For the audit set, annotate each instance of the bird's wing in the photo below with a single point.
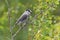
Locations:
(24, 17)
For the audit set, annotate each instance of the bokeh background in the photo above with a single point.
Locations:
(45, 19)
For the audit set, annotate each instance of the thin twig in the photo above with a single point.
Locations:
(9, 18)
(19, 30)
(7, 3)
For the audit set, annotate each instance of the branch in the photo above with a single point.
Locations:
(18, 30)
(9, 16)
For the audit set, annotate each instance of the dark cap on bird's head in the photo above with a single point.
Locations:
(29, 10)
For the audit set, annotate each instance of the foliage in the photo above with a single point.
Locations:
(42, 25)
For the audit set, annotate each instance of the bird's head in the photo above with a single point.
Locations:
(29, 10)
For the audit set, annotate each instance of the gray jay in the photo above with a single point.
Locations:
(24, 16)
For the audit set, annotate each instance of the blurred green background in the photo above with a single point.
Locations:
(45, 19)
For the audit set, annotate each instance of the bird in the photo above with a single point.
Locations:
(23, 17)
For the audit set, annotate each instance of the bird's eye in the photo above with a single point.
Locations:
(28, 10)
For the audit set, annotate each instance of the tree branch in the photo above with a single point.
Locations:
(9, 17)
(18, 30)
